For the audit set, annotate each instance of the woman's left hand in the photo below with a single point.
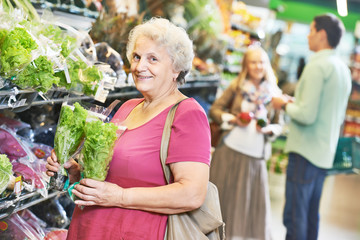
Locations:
(92, 192)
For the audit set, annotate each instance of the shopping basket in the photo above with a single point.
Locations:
(347, 156)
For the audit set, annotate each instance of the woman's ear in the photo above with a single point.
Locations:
(175, 76)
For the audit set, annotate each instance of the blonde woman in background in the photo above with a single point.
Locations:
(239, 161)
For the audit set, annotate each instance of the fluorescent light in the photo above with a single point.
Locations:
(342, 7)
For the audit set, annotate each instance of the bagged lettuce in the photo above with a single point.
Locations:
(68, 137)
(5, 172)
(69, 131)
(98, 149)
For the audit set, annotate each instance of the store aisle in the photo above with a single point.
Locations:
(339, 211)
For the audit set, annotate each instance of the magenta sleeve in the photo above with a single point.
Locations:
(190, 135)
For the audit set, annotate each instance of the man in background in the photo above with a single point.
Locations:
(317, 113)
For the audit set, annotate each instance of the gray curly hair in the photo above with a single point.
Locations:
(173, 38)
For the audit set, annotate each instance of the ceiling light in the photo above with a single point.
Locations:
(342, 7)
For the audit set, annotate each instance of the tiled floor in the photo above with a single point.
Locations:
(339, 210)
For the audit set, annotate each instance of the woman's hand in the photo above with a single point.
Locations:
(72, 167)
(52, 165)
(241, 123)
(92, 192)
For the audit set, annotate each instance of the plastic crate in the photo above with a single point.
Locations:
(347, 156)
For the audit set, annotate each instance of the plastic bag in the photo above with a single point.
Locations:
(100, 138)
(68, 137)
(36, 223)
(6, 172)
(76, 130)
(23, 160)
(18, 228)
(13, 124)
(10, 145)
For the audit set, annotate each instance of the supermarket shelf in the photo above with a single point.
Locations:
(24, 201)
(21, 100)
(246, 29)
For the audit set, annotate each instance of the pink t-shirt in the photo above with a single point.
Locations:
(136, 163)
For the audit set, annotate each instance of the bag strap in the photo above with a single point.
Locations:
(166, 139)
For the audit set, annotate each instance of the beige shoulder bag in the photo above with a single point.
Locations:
(202, 223)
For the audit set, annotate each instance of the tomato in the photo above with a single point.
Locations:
(39, 153)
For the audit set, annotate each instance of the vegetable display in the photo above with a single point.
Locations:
(36, 53)
(69, 132)
(98, 149)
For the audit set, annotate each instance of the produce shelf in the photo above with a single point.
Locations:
(21, 100)
(8, 207)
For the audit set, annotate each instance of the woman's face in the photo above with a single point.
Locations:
(151, 67)
(256, 65)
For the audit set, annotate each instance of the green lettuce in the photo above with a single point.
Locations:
(38, 74)
(69, 132)
(16, 51)
(58, 36)
(98, 149)
(3, 33)
(68, 45)
(83, 78)
(5, 172)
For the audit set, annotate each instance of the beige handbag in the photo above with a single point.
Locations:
(202, 223)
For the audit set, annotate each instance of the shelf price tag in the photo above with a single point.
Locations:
(17, 186)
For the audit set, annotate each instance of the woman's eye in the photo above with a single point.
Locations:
(153, 59)
(136, 57)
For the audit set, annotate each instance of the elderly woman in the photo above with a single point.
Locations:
(238, 164)
(134, 200)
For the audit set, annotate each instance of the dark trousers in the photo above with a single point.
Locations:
(304, 183)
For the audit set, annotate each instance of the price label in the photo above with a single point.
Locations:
(17, 186)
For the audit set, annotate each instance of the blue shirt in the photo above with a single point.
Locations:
(318, 112)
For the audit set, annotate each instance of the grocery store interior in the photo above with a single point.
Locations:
(95, 32)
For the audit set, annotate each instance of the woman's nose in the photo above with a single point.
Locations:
(141, 65)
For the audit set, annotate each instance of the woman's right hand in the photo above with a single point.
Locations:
(71, 166)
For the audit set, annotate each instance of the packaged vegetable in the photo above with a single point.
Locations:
(100, 138)
(68, 137)
(6, 172)
(16, 51)
(98, 149)
(39, 74)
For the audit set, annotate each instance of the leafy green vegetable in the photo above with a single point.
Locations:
(6, 5)
(52, 32)
(98, 149)
(83, 78)
(69, 131)
(58, 36)
(3, 33)
(91, 76)
(38, 74)
(68, 45)
(27, 8)
(15, 51)
(5, 172)
(5, 164)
